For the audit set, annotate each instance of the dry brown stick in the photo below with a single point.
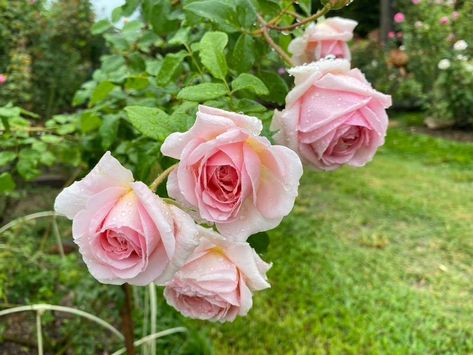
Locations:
(267, 37)
(127, 319)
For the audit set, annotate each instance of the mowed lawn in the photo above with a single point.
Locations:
(371, 261)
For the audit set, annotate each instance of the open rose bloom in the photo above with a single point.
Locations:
(218, 281)
(125, 232)
(231, 175)
(328, 37)
(333, 116)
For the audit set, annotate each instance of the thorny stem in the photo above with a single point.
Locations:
(161, 177)
(281, 52)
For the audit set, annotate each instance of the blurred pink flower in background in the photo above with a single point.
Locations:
(455, 15)
(3, 79)
(416, 2)
(399, 17)
(444, 20)
(391, 35)
(399, 35)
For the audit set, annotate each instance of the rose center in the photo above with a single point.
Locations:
(349, 139)
(118, 246)
(225, 183)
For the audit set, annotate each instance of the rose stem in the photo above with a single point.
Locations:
(127, 320)
(320, 13)
(161, 177)
(270, 41)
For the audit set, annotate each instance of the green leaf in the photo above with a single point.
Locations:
(249, 82)
(132, 26)
(6, 157)
(268, 7)
(136, 82)
(217, 11)
(101, 92)
(89, 121)
(246, 13)
(117, 14)
(243, 55)
(181, 37)
(169, 67)
(212, 55)
(153, 66)
(259, 242)
(109, 129)
(249, 106)
(147, 121)
(159, 14)
(101, 26)
(7, 183)
(202, 92)
(306, 6)
(276, 85)
(27, 165)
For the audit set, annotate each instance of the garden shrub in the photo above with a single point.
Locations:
(46, 52)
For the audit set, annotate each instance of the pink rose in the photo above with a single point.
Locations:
(231, 175)
(391, 35)
(125, 232)
(333, 116)
(444, 20)
(3, 79)
(325, 38)
(399, 17)
(218, 281)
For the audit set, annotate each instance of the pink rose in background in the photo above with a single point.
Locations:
(416, 2)
(231, 175)
(328, 37)
(218, 281)
(455, 15)
(391, 35)
(3, 79)
(125, 232)
(399, 17)
(444, 20)
(333, 116)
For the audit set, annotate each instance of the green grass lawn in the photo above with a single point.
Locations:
(376, 260)
(371, 261)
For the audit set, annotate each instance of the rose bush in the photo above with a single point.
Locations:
(218, 280)
(233, 176)
(333, 116)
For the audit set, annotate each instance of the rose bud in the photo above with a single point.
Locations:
(124, 231)
(333, 116)
(328, 37)
(231, 175)
(218, 281)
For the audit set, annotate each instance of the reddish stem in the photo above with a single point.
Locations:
(127, 320)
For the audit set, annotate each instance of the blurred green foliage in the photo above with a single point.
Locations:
(46, 51)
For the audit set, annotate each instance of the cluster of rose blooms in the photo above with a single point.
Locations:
(231, 178)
